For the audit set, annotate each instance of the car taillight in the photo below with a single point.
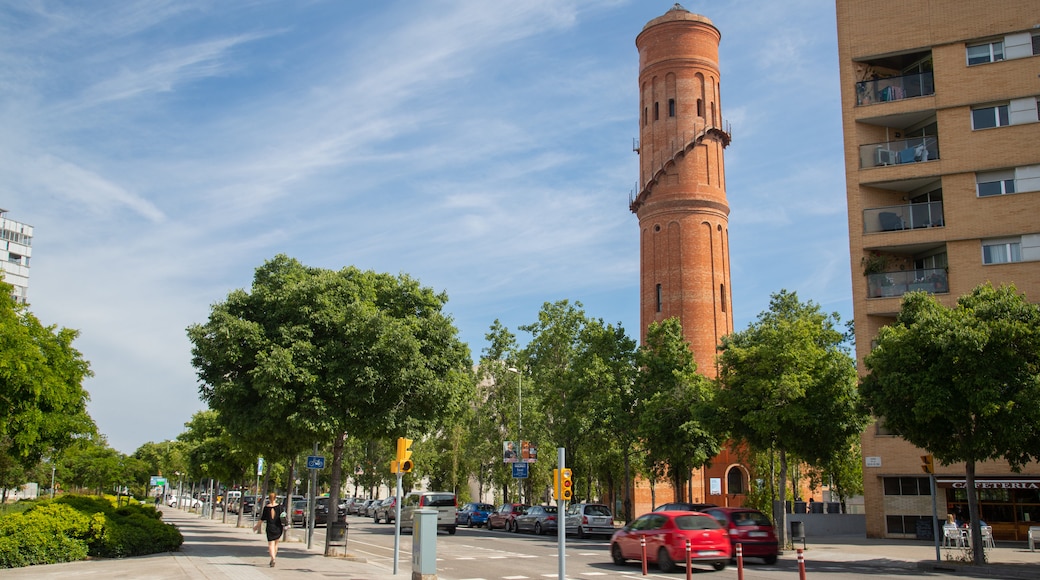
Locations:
(584, 519)
(551, 518)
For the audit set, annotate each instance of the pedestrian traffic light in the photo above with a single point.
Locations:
(404, 454)
(928, 464)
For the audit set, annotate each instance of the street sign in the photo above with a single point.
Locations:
(520, 470)
(315, 462)
(158, 480)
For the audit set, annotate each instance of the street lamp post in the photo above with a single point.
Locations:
(519, 404)
(519, 420)
(52, 479)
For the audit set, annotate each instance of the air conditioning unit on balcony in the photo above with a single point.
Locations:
(884, 156)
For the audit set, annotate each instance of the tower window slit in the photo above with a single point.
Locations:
(658, 297)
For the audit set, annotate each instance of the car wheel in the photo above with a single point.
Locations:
(582, 533)
(718, 565)
(538, 529)
(770, 559)
(469, 521)
(664, 561)
(451, 530)
(375, 518)
(516, 527)
(615, 554)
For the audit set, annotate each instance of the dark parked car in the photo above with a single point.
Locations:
(505, 516)
(247, 504)
(751, 529)
(683, 506)
(666, 533)
(298, 513)
(540, 519)
(473, 514)
(386, 510)
(321, 511)
(586, 519)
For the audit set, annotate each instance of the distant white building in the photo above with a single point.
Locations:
(15, 251)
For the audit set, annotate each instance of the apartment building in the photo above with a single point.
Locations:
(942, 157)
(15, 251)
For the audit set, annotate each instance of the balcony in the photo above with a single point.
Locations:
(894, 218)
(895, 88)
(887, 284)
(899, 151)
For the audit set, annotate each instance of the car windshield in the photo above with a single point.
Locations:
(693, 522)
(751, 519)
(597, 510)
(484, 507)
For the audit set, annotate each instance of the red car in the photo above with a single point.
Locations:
(505, 516)
(666, 533)
(751, 529)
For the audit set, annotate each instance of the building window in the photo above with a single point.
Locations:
(700, 108)
(658, 297)
(907, 486)
(657, 113)
(644, 117)
(1001, 251)
(995, 182)
(1036, 44)
(987, 117)
(983, 53)
(722, 296)
(906, 524)
(671, 107)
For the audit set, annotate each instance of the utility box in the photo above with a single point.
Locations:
(424, 545)
(336, 538)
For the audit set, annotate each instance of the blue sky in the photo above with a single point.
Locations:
(164, 149)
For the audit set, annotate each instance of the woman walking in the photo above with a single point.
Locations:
(274, 515)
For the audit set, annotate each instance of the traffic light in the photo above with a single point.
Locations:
(563, 487)
(928, 464)
(404, 454)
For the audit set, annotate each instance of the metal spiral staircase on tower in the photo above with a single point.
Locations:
(723, 134)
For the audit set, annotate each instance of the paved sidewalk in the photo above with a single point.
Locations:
(215, 551)
(1007, 560)
(218, 551)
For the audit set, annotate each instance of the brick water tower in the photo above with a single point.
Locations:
(684, 216)
(681, 202)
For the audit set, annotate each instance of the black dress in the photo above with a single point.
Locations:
(272, 515)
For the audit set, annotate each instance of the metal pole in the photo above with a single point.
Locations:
(52, 480)
(311, 492)
(935, 518)
(561, 511)
(397, 520)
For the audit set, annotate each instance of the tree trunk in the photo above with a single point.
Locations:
(978, 554)
(781, 532)
(337, 474)
(628, 489)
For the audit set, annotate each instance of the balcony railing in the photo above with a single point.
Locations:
(885, 284)
(894, 88)
(894, 218)
(912, 150)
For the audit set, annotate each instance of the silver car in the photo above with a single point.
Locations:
(586, 519)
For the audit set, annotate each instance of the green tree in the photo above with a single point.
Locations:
(963, 382)
(42, 400)
(309, 354)
(91, 465)
(673, 398)
(789, 384)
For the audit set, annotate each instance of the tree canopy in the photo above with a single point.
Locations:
(310, 354)
(789, 383)
(962, 383)
(42, 400)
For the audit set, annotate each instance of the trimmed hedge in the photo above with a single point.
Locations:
(75, 527)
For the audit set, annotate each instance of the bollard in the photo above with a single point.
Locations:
(740, 562)
(642, 548)
(689, 562)
(801, 565)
